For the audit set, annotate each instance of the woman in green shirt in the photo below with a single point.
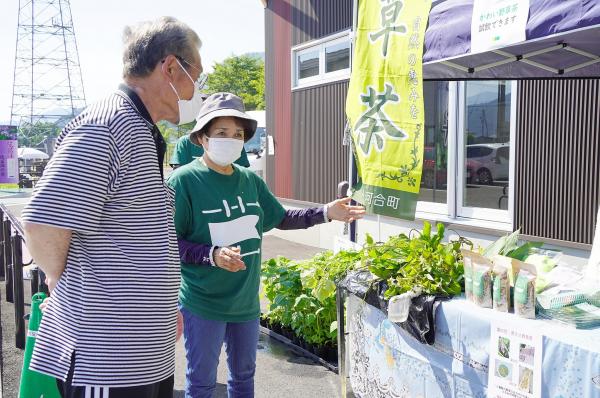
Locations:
(221, 213)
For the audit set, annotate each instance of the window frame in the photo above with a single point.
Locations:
(453, 210)
(435, 210)
(321, 46)
(494, 215)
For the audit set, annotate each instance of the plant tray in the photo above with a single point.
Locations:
(299, 350)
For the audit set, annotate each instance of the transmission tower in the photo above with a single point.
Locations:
(47, 86)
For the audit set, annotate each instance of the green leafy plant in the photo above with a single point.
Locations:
(423, 262)
(303, 294)
(508, 246)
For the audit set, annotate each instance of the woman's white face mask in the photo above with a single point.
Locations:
(188, 109)
(224, 151)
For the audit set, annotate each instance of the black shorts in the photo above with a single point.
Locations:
(161, 389)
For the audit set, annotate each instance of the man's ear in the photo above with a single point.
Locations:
(169, 65)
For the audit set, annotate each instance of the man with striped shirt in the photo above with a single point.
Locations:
(100, 225)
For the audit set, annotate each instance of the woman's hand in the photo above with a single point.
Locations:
(341, 210)
(229, 259)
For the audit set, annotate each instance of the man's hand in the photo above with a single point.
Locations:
(44, 304)
(229, 259)
(341, 210)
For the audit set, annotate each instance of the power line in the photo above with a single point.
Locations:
(47, 83)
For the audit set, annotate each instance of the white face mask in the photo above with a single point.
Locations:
(224, 151)
(188, 109)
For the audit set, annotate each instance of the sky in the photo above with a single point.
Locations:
(226, 27)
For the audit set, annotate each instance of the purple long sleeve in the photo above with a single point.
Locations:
(194, 253)
(302, 218)
(199, 253)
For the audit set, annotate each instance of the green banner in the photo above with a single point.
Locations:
(385, 104)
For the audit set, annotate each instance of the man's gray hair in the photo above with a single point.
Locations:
(147, 43)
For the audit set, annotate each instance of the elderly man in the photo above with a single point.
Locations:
(100, 225)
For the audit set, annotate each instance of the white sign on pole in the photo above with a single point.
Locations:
(515, 369)
(498, 23)
(270, 145)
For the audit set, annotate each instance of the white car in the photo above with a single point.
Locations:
(255, 147)
(487, 163)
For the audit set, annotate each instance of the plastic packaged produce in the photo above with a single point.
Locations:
(468, 272)
(482, 282)
(501, 288)
(525, 294)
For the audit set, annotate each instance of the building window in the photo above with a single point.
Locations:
(337, 57)
(485, 146)
(323, 61)
(434, 181)
(468, 162)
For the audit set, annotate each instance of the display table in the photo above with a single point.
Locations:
(385, 361)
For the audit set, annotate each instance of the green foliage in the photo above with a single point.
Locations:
(303, 294)
(422, 262)
(31, 135)
(172, 132)
(243, 76)
(508, 246)
(503, 246)
(523, 252)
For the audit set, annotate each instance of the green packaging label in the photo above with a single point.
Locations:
(521, 290)
(497, 289)
(478, 283)
(468, 279)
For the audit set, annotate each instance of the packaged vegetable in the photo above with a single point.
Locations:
(501, 288)
(544, 262)
(468, 273)
(482, 282)
(525, 294)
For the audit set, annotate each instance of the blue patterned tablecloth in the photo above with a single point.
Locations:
(385, 361)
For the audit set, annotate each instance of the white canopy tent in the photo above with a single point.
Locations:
(32, 154)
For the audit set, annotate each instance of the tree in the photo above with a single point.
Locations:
(243, 76)
(32, 135)
(172, 132)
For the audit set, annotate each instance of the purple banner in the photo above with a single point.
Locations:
(9, 162)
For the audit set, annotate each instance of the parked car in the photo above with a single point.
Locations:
(487, 163)
(256, 145)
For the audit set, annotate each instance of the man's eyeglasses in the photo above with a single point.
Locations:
(202, 78)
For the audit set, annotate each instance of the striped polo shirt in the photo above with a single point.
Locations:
(115, 306)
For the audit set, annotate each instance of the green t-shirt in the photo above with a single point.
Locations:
(223, 210)
(186, 151)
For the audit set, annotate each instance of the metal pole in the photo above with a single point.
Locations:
(340, 299)
(353, 171)
(2, 262)
(17, 249)
(42, 287)
(32, 63)
(6, 228)
(62, 23)
(35, 281)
